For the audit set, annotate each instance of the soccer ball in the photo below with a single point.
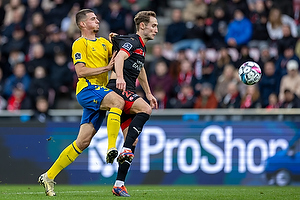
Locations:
(250, 73)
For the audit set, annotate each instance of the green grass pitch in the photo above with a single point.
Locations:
(153, 192)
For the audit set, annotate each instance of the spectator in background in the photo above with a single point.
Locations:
(290, 100)
(68, 24)
(15, 56)
(33, 7)
(186, 73)
(217, 30)
(215, 5)
(18, 41)
(61, 76)
(100, 7)
(40, 84)
(265, 55)
(33, 39)
(134, 6)
(38, 59)
(37, 24)
(14, 9)
(273, 101)
(252, 98)
(195, 36)
(57, 13)
(194, 9)
(291, 81)
(275, 21)
(244, 56)
(161, 97)
(203, 71)
(207, 98)
(223, 59)
(9, 29)
(269, 83)
(222, 83)
(185, 97)
(19, 77)
(233, 5)
(287, 40)
(232, 99)
(41, 110)
(285, 6)
(176, 30)
(18, 99)
(55, 44)
(116, 18)
(161, 78)
(239, 30)
(157, 53)
(259, 18)
(281, 62)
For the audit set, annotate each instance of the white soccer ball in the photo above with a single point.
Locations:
(250, 73)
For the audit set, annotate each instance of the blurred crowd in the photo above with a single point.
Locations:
(195, 66)
(206, 43)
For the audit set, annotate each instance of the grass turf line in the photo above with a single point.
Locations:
(153, 192)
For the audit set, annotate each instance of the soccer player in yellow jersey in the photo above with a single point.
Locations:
(91, 59)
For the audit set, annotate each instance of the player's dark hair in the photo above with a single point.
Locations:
(143, 16)
(81, 15)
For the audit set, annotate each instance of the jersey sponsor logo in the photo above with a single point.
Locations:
(139, 51)
(138, 65)
(127, 46)
(77, 56)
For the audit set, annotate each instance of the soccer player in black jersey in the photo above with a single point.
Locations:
(129, 66)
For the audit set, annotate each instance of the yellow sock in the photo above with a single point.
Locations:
(113, 126)
(67, 156)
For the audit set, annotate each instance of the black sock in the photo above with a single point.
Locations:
(122, 171)
(135, 128)
(133, 149)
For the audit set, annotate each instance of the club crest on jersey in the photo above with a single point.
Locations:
(77, 56)
(127, 46)
(104, 46)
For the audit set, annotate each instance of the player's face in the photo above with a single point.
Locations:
(91, 22)
(151, 29)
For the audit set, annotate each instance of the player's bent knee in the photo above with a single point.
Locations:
(148, 110)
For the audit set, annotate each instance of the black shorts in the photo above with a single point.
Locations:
(128, 96)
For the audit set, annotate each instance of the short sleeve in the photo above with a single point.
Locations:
(79, 52)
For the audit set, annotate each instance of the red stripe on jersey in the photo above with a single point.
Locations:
(139, 51)
(125, 51)
(141, 41)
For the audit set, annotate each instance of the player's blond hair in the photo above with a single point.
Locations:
(143, 16)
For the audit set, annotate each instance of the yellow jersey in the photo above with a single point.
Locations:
(94, 54)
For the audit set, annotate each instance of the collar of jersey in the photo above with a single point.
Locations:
(91, 40)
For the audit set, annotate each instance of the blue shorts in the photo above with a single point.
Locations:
(90, 99)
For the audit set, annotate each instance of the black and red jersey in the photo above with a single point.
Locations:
(134, 46)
